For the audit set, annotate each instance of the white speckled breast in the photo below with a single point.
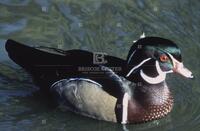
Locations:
(139, 114)
(158, 111)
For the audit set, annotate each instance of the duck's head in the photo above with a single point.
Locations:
(151, 58)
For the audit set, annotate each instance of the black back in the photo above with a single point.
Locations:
(47, 67)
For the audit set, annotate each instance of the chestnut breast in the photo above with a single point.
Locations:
(138, 113)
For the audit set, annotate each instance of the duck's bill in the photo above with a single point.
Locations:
(180, 69)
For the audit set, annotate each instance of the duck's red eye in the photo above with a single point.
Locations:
(164, 58)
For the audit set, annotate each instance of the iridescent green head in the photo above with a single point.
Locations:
(153, 58)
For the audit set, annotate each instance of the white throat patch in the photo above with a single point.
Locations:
(154, 80)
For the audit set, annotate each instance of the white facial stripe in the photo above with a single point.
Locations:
(174, 60)
(154, 80)
(137, 66)
(170, 71)
(125, 108)
(131, 56)
(159, 70)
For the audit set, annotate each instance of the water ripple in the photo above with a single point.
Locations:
(7, 28)
(45, 4)
(14, 2)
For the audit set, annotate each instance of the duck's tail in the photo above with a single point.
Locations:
(28, 57)
(19, 53)
(39, 63)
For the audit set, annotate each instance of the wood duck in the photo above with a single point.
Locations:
(116, 90)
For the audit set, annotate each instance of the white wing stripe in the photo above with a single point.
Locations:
(74, 79)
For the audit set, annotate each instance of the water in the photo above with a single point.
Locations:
(96, 25)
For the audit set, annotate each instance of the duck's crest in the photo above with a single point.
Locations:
(143, 35)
